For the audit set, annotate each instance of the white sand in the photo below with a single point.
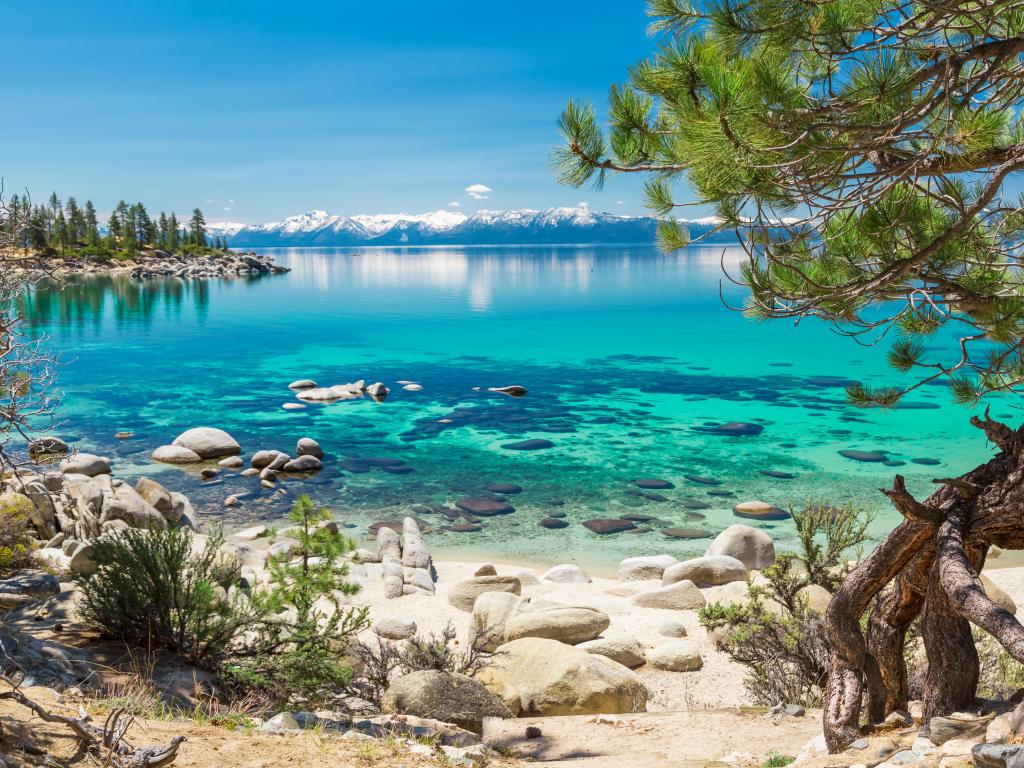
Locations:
(719, 683)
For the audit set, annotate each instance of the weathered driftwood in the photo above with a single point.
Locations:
(109, 741)
(927, 567)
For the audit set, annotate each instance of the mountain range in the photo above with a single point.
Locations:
(579, 225)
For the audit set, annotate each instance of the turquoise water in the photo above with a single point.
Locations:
(627, 354)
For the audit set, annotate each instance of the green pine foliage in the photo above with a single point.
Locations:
(163, 589)
(866, 154)
(302, 645)
(70, 231)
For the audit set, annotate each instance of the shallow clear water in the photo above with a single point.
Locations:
(624, 352)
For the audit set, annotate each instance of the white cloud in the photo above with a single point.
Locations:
(620, 202)
(454, 204)
(583, 204)
(478, 191)
(227, 208)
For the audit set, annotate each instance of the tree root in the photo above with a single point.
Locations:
(108, 742)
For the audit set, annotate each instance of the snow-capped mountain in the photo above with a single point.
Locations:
(579, 225)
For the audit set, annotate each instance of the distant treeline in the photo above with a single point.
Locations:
(68, 229)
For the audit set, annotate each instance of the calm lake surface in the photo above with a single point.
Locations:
(627, 355)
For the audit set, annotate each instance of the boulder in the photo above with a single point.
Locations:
(817, 597)
(672, 629)
(176, 454)
(155, 494)
(759, 510)
(539, 677)
(675, 656)
(389, 545)
(81, 562)
(231, 462)
(445, 696)
(263, 459)
(395, 628)
(567, 574)
(680, 596)
(644, 568)
(85, 464)
(465, 593)
(486, 570)
(394, 578)
(490, 613)
(707, 571)
(414, 550)
(31, 584)
(302, 384)
(305, 463)
(567, 624)
(624, 649)
(754, 548)
(997, 595)
(47, 446)
(208, 442)
(307, 446)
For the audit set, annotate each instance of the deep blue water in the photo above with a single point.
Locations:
(627, 354)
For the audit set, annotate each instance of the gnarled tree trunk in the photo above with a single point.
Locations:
(927, 566)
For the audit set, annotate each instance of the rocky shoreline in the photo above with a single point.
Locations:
(157, 263)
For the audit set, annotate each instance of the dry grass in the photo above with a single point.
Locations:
(25, 741)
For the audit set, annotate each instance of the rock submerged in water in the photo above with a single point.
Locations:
(759, 510)
(866, 456)
(653, 484)
(504, 489)
(553, 523)
(513, 390)
(485, 507)
(535, 444)
(732, 429)
(208, 442)
(605, 526)
(686, 533)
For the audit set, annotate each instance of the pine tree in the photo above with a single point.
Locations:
(867, 154)
(173, 234)
(92, 227)
(197, 228)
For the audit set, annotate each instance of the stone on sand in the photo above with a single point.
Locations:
(624, 649)
(445, 696)
(644, 568)
(465, 593)
(680, 596)
(567, 573)
(707, 571)
(538, 677)
(675, 656)
(754, 548)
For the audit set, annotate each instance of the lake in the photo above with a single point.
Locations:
(631, 359)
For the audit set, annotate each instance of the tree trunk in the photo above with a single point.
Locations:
(886, 669)
(930, 562)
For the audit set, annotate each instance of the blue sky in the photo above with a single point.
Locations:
(272, 108)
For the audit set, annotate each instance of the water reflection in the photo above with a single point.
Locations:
(389, 281)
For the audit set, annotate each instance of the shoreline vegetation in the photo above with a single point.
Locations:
(63, 237)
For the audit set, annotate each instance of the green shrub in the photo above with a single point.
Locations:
(299, 649)
(157, 588)
(776, 635)
(16, 539)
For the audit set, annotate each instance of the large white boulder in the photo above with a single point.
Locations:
(567, 574)
(465, 593)
(644, 568)
(625, 649)
(707, 571)
(176, 454)
(208, 442)
(566, 624)
(675, 656)
(680, 596)
(539, 677)
(85, 464)
(754, 548)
